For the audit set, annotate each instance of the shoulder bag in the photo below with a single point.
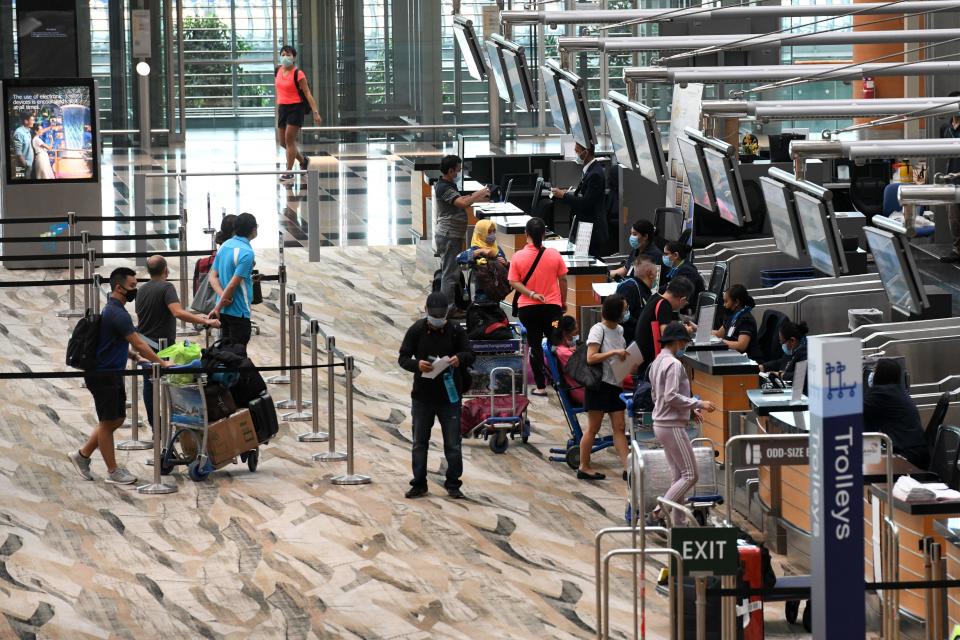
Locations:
(588, 375)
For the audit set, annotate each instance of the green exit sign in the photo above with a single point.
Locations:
(708, 551)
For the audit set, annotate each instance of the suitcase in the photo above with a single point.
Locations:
(264, 417)
(751, 565)
(475, 410)
(249, 385)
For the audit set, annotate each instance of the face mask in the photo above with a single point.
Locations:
(436, 323)
(786, 350)
(491, 238)
(131, 295)
(666, 261)
(575, 340)
(870, 379)
(681, 351)
(626, 316)
(286, 61)
(634, 242)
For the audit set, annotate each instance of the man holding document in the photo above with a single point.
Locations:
(438, 353)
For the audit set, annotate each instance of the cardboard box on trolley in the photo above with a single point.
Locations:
(226, 438)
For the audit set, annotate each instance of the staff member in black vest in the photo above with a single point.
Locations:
(587, 200)
(437, 398)
(676, 260)
(739, 329)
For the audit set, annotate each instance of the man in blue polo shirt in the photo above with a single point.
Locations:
(234, 266)
(117, 334)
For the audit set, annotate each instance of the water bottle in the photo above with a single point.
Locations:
(451, 386)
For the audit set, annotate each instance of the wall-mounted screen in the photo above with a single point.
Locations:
(578, 116)
(897, 271)
(622, 146)
(727, 186)
(519, 78)
(558, 115)
(469, 47)
(47, 39)
(696, 169)
(787, 232)
(647, 147)
(498, 70)
(819, 231)
(50, 132)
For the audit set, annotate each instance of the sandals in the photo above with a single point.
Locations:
(589, 476)
(538, 393)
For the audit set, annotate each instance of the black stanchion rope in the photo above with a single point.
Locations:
(35, 375)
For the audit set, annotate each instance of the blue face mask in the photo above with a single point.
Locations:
(626, 316)
(436, 323)
(491, 238)
(681, 351)
(575, 340)
(286, 61)
(786, 350)
(634, 242)
(666, 261)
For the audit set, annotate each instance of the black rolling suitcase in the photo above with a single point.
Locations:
(264, 417)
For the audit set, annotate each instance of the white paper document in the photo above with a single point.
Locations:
(439, 365)
(623, 368)
(584, 233)
(799, 378)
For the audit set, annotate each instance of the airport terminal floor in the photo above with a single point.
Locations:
(282, 553)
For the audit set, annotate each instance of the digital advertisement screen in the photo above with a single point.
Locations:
(723, 186)
(621, 146)
(646, 144)
(554, 100)
(577, 128)
(499, 73)
(812, 214)
(892, 269)
(47, 38)
(785, 232)
(50, 131)
(695, 178)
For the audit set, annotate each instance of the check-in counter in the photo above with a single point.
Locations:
(511, 233)
(949, 528)
(916, 520)
(723, 377)
(582, 274)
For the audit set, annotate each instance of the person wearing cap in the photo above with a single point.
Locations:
(425, 344)
(672, 404)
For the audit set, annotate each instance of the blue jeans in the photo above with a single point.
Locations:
(423, 415)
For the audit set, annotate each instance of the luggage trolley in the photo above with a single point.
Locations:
(186, 410)
(494, 409)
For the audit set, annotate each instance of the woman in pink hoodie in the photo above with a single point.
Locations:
(672, 404)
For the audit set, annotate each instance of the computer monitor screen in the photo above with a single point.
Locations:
(646, 145)
(727, 188)
(50, 131)
(695, 168)
(469, 48)
(577, 115)
(519, 80)
(499, 73)
(820, 242)
(558, 116)
(622, 147)
(783, 220)
(896, 273)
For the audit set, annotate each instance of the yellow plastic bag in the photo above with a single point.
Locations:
(181, 353)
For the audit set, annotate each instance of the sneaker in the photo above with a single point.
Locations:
(286, 178)
(456, 494)
(81, 464)
(121, 476)
(415, 492)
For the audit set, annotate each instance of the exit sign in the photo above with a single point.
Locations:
(707, 551)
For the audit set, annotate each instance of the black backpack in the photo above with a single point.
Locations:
(487, 322)
(459, 300)
(82, 346)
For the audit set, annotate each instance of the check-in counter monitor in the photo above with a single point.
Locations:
(518, 76)
(820, 231)
(574, 95)
(787, 231)
(469, 47)
(691, 154)
(617, 127)
(498, 68)
(645, 138)
(557, 110)
(723, 167)
(897, 269)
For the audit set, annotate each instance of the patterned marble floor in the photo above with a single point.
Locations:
(282, 553)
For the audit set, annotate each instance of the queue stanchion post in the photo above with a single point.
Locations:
(88, 268)
(157, 487)
(158, 425)
(331, 454)
(184, 291)
(95, 286)
(282, 377)
(134, 443)
(351, 477)
(292, 378)
(298, 414)
(71, 311)
(314, 435)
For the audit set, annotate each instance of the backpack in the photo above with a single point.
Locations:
(459, 300)
(491, 277)
(201, 269)
(82, 346)
(487, 322)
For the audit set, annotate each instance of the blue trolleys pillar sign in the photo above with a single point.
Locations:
(836, 488)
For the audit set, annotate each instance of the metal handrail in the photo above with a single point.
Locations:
(671, 506)
(676, 594)
(404, 127)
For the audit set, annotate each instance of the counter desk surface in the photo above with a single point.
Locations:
(763, 402)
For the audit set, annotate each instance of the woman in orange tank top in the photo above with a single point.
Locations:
(293, 101)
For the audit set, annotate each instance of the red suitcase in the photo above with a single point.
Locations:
(751, 563)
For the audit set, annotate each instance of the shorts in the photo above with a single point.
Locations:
(604, 397)
(291, 114)
(109, 396)
(235, 328)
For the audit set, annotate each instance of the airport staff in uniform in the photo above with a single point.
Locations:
(739, 329)
(676, 258)
(587, 200)
(641, 244)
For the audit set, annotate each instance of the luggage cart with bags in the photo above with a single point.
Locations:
(495, 406)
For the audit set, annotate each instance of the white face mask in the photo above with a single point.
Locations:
(436, 323)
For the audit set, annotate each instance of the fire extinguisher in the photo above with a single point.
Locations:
(869, 88)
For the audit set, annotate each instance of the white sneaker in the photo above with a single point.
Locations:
(81, 464)
(121, 476)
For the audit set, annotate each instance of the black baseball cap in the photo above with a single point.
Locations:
(437, 305)
(674, 332)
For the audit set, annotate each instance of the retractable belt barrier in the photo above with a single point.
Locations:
(72, 238)
(805, 593)
(53, 219)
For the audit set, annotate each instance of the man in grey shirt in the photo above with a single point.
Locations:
(451, 226)
(158, 309)
(23, 142)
